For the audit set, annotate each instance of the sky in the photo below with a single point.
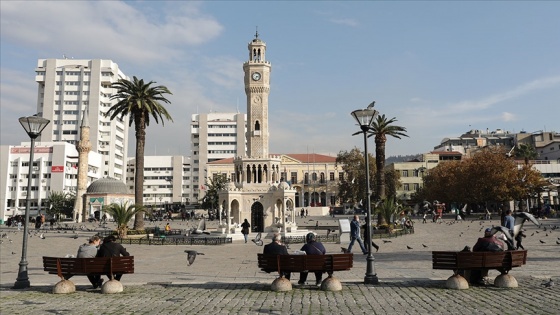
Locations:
(440, 68)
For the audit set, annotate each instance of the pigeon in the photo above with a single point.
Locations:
(548, 284)
(408, 247)
(542, 242)
(386, 241)
(258, 240)
(75, 236)
(42, 236)
(191, 255)
(424, 245)
(558, 242)
(344, 250)
(13, 253)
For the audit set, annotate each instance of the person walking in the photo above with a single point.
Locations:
(355, 235)
(312, 247)
(509, 221)
(245, 229)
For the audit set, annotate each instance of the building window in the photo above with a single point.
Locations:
(293, 177)
(406, 187)
(416, 187)
(405, 173)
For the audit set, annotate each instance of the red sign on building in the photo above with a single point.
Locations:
(21, 150)
(57, 169)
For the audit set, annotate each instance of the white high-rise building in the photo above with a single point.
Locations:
(54, 169)
(214, 137)
(68, 88)
(167, 181)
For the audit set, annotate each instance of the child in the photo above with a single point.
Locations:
(518, 239)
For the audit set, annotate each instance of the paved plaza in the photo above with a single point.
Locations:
(226, 280)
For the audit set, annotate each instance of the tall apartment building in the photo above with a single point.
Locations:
(68, 88)
(214, 137)
(167, 181)
(54, 169)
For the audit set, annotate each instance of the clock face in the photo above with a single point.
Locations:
(256, 76)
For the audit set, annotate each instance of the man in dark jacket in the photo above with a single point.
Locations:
(276, 248)
(312, 247)
(111, 249)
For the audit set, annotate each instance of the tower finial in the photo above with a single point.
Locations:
(257, 32)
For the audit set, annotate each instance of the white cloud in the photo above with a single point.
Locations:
(106, 29)
(469, 106)
(508, 116)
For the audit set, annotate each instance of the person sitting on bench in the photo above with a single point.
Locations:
(276, 248)
(488, 243)
(111, 249)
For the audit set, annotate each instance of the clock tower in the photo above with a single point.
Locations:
(257, 88)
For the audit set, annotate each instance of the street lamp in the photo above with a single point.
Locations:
(33, 125)
(365, 118)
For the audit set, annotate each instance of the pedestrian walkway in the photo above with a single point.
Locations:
(226, 280)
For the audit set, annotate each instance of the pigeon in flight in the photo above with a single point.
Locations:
(191, 256)
(424, 245)
(258, 240)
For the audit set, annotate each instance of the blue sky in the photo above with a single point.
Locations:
(440, 67)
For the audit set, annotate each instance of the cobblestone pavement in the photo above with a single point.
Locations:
(226, 280)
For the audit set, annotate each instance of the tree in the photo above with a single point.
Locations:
(487, 176)
(122, 214)
(388, 210)
(139, 100)
(381, 128)
(60, 203)
(215, 184)
(352, 188)
(526, 152)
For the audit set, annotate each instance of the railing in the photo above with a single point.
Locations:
(177, 241)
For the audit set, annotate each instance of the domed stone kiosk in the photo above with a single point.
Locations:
(106, 191)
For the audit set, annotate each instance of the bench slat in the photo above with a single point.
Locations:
(84, 266)
(503, 261)
(299, 263)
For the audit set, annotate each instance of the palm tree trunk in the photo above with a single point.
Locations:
(380, 165)
(139, 171)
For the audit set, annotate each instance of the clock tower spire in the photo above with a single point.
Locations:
(257, 88)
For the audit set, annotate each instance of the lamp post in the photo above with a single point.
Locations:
(33, 125)
(365, 118)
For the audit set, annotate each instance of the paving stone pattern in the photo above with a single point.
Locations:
(225, 280)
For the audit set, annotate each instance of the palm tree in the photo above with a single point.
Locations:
(388, 210)
(60, 202)
(381, 128)
(122, 214)
(526, 152)
(139, 100)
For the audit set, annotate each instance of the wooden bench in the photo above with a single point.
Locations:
(466, 261)
(65, 268)
(328, 263)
